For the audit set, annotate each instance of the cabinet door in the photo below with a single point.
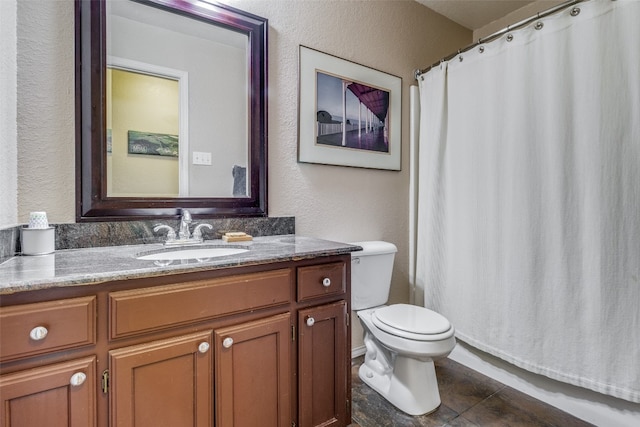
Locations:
(323, 366)
(163, 383)
(253, 375)
(55, 395)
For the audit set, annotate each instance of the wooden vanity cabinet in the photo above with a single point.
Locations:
(253, 373)
(61, 394)
(323, 384)
(324, 397)
(224, 348)
(57, 394)
(163, 383)
(175, 382)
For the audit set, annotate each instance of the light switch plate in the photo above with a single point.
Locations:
(201, 158)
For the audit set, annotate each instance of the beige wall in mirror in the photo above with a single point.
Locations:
(213, 125)
(145, 166)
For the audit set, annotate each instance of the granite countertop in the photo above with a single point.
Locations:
(77, 267)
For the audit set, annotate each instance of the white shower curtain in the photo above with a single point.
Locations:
(528, 234)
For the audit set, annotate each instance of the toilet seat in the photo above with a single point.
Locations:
(412, 322)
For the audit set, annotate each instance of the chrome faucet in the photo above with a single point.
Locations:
(185, 221)
(184, 236)
(171, 234)
(197, 233)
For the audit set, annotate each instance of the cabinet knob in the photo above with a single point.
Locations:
(310, 321)
(78, 378)
(227, 342)
(203, 347)
(38, 333)
(326, 282)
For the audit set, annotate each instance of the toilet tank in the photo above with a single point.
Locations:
(371, 274)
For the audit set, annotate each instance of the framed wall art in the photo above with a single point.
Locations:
(349, 114)
(156, 144)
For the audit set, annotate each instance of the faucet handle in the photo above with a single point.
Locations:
(171, 234)
(197, 233)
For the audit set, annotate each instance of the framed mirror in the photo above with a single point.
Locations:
(171, 110)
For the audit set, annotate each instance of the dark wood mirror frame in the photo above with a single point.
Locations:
(92, 203)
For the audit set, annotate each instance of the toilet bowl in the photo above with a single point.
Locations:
(401, 340)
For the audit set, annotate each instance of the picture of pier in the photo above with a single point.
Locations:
(351, 114)
(348, 114)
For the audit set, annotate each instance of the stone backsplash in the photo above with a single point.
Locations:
(117, 233)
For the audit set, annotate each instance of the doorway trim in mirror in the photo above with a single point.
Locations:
(92, 202)
(151, 71)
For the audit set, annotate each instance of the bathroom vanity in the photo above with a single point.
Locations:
(105, 339)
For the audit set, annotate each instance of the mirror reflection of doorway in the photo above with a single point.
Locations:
(147, 131)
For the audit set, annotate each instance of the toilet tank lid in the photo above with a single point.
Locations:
(374, 248)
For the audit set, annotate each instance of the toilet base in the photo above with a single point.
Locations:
(408, 383)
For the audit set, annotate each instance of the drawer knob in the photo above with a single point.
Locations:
(326, 282)
(227, 342)
(78, 378)
(310, 321)
(203, 347)
(38, 333)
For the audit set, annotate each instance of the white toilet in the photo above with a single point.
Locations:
(401, 340)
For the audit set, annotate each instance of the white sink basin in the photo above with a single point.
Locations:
(191, 253)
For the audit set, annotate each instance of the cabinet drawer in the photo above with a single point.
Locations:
(320, 280)
(150, 309)
(30, 329)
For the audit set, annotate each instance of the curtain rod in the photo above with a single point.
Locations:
(500, 33)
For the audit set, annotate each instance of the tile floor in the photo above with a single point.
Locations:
(468, 399)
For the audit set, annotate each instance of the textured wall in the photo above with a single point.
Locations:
(8, 135)
(339, 203)
(46, 96)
